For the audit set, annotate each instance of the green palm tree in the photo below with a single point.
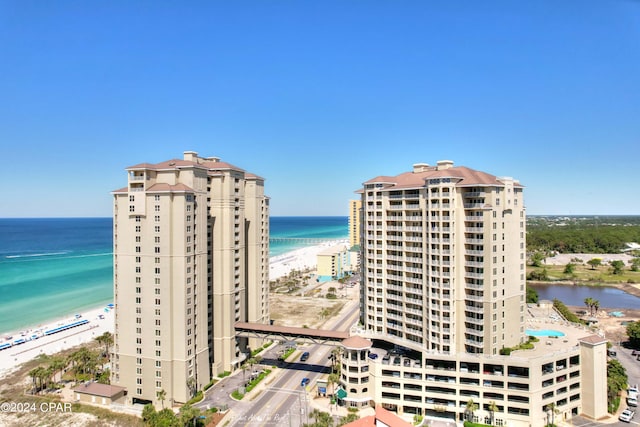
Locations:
(589, 303)
(106, 339)
(58, 364)
(493, 408)
(36, 375)
(471, 408)
(551, 410)
(162, 395)
(315, 414)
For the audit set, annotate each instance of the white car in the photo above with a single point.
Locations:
(632, 401)
(626, 415)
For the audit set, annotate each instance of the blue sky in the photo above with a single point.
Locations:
(318, 97)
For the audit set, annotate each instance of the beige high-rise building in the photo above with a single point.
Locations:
(443, 312)
(354, 222)
(443, 259)
(191, 250)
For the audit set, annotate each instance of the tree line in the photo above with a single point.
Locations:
(83, 365)
(581, 238)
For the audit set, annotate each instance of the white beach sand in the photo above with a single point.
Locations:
(10, 358)
(299, 259)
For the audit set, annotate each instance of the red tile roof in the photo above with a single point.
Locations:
(383, 416)
(97, 389)
(465, 175)
(178, 163)
(356, 342)
(593, 339)
(162, 187)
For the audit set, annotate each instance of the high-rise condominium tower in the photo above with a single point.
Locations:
(191, 248)
(354, 222)
(443, 259)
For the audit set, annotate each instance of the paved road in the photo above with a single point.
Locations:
(283, 402)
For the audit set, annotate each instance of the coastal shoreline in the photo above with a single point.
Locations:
(298, 259)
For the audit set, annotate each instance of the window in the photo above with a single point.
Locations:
(137, 228)
(156, 218)
(157, 208)
(157, 249)
(138, 259)
(157, 291)
(158, 364)
(138, 300)
(138, 290)
(138, 249)
(157, 270)
(157, 239)
(157, 228)
(157, 260)
(139, 381)
(138, 270)
(137, 239)
(156, 197)
(139, 391)
(158, 353)
(157, 301)
(157, 343)
(157, 322)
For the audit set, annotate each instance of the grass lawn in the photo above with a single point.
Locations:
(585, 273)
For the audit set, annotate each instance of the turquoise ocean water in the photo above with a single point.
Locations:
(54, 267)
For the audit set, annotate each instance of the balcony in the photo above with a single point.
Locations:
(474, 205)
(474, 275)
(474, 309)
(474, 230)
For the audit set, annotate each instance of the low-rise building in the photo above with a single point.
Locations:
(564, 372)
(99, 394)
(333, 263)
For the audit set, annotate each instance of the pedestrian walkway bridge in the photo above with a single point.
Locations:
(286, 333)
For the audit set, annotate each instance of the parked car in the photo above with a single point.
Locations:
(626, 415)
(632, 401)
(373, 356)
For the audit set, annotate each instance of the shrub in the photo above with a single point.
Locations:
(196, 398)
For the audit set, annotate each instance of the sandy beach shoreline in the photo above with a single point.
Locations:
(101, 320)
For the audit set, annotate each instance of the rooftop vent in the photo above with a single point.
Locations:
(420, 167)
(444, 164)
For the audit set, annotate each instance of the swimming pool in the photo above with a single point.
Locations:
(544, 333)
